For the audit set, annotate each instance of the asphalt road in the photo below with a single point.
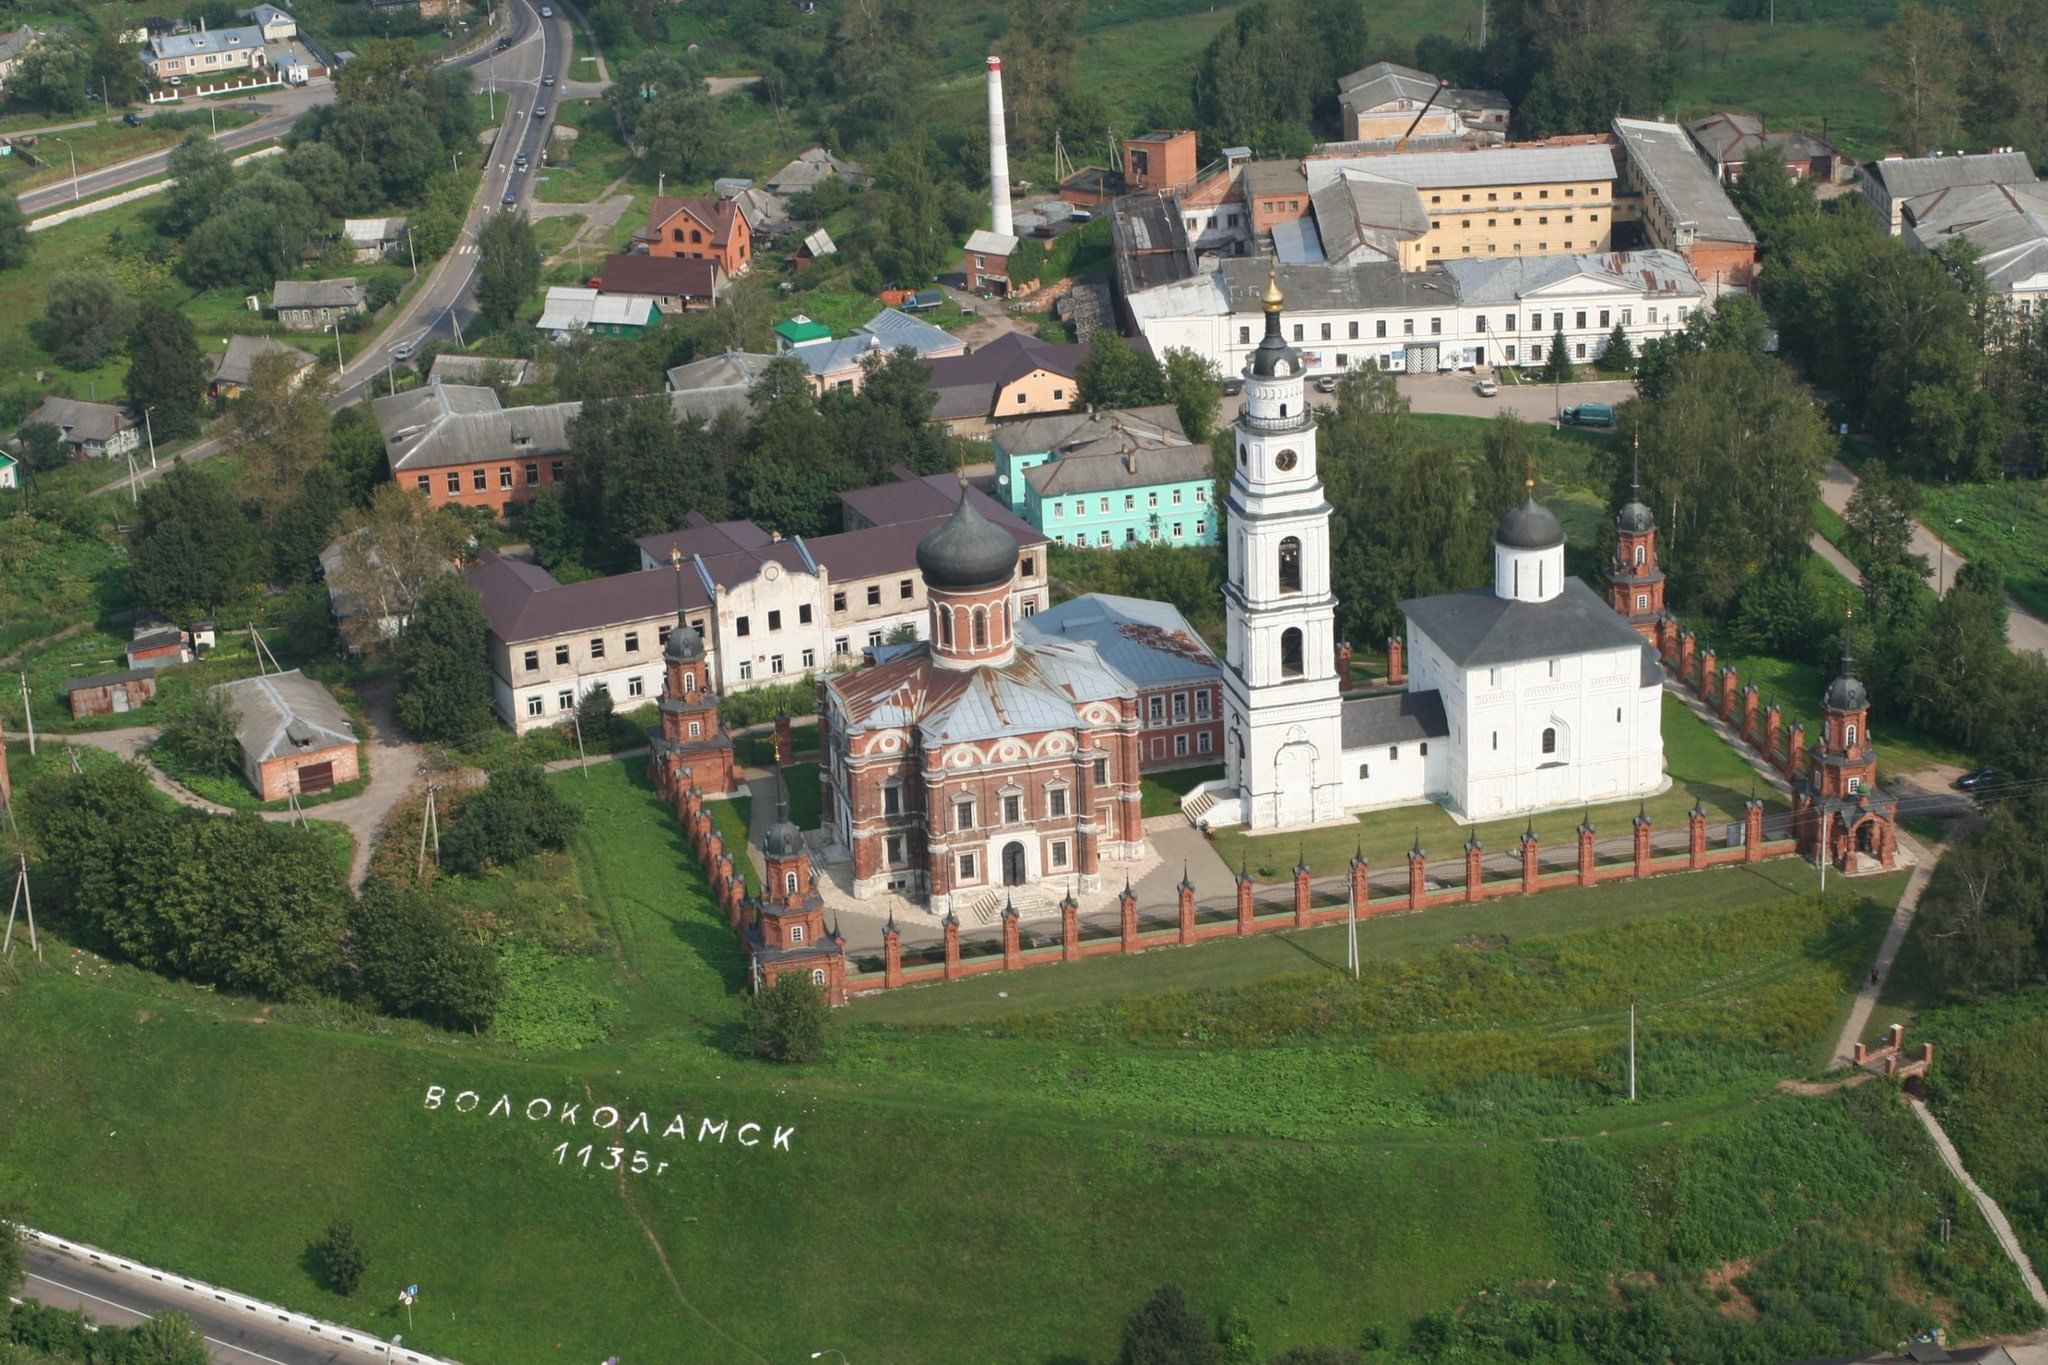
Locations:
(234, 1336)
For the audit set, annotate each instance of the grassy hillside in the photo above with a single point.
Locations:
(1081, 1133)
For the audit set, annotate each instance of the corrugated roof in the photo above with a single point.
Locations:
(1149, 643)
(1124, 463)
(287, 713)
(1907, 177)
(1158, 425)
(833, 356)
(1507, 279)
(1321, 286)
(232, 366)
(1476, 629)
(1365, 217)
(345, 292)
(896, 329)
(991, 243)
(1692, 194)
(372, 231)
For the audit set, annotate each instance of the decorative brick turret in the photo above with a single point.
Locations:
(690, 748)
(1641, 846)
(1838, 811)
(1532, 859)
(1588, 855)
(1397, 659)
(1244, 900)
(1635, 585)
(1418, 875)
(1302, 895)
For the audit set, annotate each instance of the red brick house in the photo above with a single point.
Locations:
(457, 443)
(293, 734)
(703, 228)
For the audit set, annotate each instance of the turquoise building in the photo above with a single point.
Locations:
(1108, 479)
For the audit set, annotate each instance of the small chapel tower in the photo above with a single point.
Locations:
(690, 749)
(1838, 811)
(1281, 697)
(1635, 585)
(788, 933)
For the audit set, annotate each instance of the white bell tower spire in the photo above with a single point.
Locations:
(1280, 695)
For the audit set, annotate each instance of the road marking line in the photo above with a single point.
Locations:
(88, 1294)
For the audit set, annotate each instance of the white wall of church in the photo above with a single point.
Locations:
(1407, 774)
(1603, 729)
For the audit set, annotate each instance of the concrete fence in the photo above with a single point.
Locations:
(92, 206)
(166, 1286)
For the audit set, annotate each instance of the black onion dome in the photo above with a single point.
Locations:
(1846, 693)
(783, 840)
(684, 645)
(1532, 526)
(1634, 517)
(967, 551)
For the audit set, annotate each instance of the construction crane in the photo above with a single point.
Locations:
(1441, 86)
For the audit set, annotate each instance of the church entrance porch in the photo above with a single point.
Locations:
(1013, 864)
(1294, 795)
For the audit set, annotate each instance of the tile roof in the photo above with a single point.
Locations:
(1692, 194)
(1393, 718)
(1149, 643)
(287, 713)
(232, 366)
(1477, 629)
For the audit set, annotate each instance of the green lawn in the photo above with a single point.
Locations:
(597, 159)
(103, 144)
(1703, 770)
(1160, 791)
(757, 750)
(1797, 688)
(1430, 1128)
(2006, 523)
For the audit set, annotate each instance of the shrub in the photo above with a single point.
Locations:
(411, 960)
(594, 713)
(787, 1022)
(341, 1257)
(200, 734)
(1165, 1331)
(518, 814)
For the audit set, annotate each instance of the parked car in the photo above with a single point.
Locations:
(1326, 383)
(511, 199)
(1978, 779)
(132, 119)
(1232, 387)
(1589, 415)
(1486, 388)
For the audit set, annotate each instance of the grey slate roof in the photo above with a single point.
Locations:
(2006, 224)
(1476, 629)
(1361, 216)
(1394, 718)
(470, 369)
(1121, 464)
(209, 40)
(456, 424)
(345, 292)
(1383, 83)
(835, 356)
(895, 329)
(1509, 279)
(1692, 194)
(1149, 643)
(1908, 177)
(1486, 166)
(240, 357)
(1322, 286)
(731, 369)
(286, 713)
(126, 675)
(1156, 426)
(81, 421)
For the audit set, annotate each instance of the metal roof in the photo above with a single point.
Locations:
(1508, 279)
(2006, 224)
(1691, 193)
(233, 365)
(730, 369)
(1120, 463)
(1363, 217)
(1477, 629)
(1393, 718)
(1038, 690)
(568, 308)
(210, 40)
(1158, 426)
(372, 231)
(79, 420)
(1906, 177)
(835, 355)
(1322, 286)
(455, 424)
(345, 292)
(896, 329)
(1149, 643)
(1481, 166)
(991, 243)
(283, 714)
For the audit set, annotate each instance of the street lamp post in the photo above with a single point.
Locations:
(74, 166)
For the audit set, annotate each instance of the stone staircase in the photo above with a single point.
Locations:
(987, 908)
(1199, 805)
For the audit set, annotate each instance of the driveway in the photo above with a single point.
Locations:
(1456, 395)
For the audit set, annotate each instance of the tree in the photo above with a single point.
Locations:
(912, 241)
(1919, 70)
(11, 1269)
(1557, 365)
(1166, 1331)
(1195, 388)
(301, 528)
(1115, 375)
(258, 237)
(84, 317)
(1507, 461)
(42, 446)
(634, 471)
(545, 522)
(508, 267)
(1618, 353)
(1880, 520)
(115, 63)
(15, 241)
(202, 179)
(168, 1338)
(444, 675)
(355, 451)
(1271, 68)
(787, 1022)
(1038, 67)
(391, 555)
(1956, 665)
(341, 1257)
(201, 732)
(53, 73)
(594, 712)
(193, 549)
(166, 372)
(1768, 195)
(671, 121)
(1986, 924)
(281, 418)
(411, 959)
(518, 815)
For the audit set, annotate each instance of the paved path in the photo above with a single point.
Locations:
(1894, 935)
(2025, 631)
(1986, 1205)
(394, 767)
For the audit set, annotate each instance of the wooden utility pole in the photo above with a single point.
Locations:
(430, 823)
(28, 714)
(22, 902)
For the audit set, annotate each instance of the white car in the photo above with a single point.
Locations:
(546, 13)
(1486, 388)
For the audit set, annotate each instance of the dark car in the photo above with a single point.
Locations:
(1232, 387)
(511, 198)
(504, 43)
(1978, 779)
(132, 119)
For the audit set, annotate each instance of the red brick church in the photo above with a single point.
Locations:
(973, 761)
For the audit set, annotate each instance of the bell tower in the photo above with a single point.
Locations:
(1635, 585)
(1281, 697)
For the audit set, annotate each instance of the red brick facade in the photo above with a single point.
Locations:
(494, 485)
(1183, 725)
(691, 752)
(1635, 585)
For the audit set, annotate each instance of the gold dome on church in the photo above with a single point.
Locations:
(1273, 299)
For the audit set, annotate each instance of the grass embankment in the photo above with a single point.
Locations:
(1412, 1102)
(2005, 523)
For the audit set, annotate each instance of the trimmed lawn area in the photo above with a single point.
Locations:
(757, 750)
(1797, 688)
(2006, 523)
(1703, 770)
(1160, 791)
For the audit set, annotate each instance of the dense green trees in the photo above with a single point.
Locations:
(1165, 1330)
(1038, 50)
(201, 180)
(193, 549)
(1272, 69)
(255, 240)
(397, 121)
(166, 372)
(787, 1022)
(1984, 916)
(636, 471)
(508, 266)
(412, 959)
(200, 730)
(42, 446)
(444, 676)
(52, 75)
(514, 817)
(1114, 374)
(229, 901)
(1920, 70)
(15, 241)
(670, 121)
(1194, 386)
(84, 317)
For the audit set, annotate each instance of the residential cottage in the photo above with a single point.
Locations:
(316, 305)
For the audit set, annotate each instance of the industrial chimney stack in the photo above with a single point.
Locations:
(998, 152)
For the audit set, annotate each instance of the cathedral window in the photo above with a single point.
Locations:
(963, 815)
(1290, 564)
(1290, 652)
(892, 800)
(1549, 741)
(945, 626)
(980, 628)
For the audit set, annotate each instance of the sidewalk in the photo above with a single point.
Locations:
(1986, 1205)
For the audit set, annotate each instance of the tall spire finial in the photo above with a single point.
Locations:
(1635, 473)
(675, 561)
(1273, 299)
(1848, 638)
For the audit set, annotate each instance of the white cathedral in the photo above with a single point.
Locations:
(1531, 695)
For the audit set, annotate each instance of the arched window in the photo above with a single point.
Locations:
(1639, 556)
(1290, 651)
(980, 628)
(796, 933)
(1283, 409)
(817, 976)
(689, 682)
(1290, 564)
(1852, 736)
(789, 883)
(1549, 741)
(946, 626)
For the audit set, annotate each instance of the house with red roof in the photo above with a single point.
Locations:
(703, 228)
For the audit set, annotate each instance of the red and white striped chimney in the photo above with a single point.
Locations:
(998, 152)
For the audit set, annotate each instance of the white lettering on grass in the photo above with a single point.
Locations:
(608, 1118)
